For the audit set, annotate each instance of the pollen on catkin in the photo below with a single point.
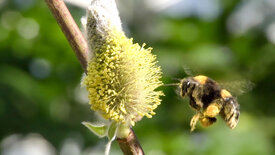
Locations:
(121, 80)
(121, 76)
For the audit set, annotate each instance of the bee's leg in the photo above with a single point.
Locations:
(194, 121)
(213, 109)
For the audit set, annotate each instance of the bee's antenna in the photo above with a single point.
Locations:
(171, 84)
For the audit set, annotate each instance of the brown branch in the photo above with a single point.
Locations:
(129, 145)
(70, 29)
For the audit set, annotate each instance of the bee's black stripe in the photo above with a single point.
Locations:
(211, 92)
(230, 116)
(193, 104)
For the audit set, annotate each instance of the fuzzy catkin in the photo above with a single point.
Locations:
(122, 77)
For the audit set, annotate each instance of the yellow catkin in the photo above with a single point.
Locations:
(122, 78)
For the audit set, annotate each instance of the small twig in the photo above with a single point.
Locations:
(70, 29)
(129, 145)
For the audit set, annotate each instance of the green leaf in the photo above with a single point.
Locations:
(99, 130)
(112, 130)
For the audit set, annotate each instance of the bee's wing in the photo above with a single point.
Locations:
(188, 70)
(238, 88)
(230, 113)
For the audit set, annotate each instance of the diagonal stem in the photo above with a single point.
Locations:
(129, 145)
(70, 29)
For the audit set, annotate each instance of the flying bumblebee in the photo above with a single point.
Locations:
(209, 99)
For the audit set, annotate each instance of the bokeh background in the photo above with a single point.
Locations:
(42, 105)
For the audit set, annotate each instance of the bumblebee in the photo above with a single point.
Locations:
(209, 99)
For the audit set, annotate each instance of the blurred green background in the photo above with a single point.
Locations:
(42, 105)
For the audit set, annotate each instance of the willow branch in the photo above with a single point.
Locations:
(70, 29)
(129, 145)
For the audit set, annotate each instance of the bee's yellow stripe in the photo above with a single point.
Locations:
(201, 79)
(225, 93)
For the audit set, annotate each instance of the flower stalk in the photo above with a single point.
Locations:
(70, 29)
(130, 145)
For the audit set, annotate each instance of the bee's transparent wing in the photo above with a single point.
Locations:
(237, 88)
(188, 70)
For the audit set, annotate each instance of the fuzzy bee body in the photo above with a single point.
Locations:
(209, 100)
